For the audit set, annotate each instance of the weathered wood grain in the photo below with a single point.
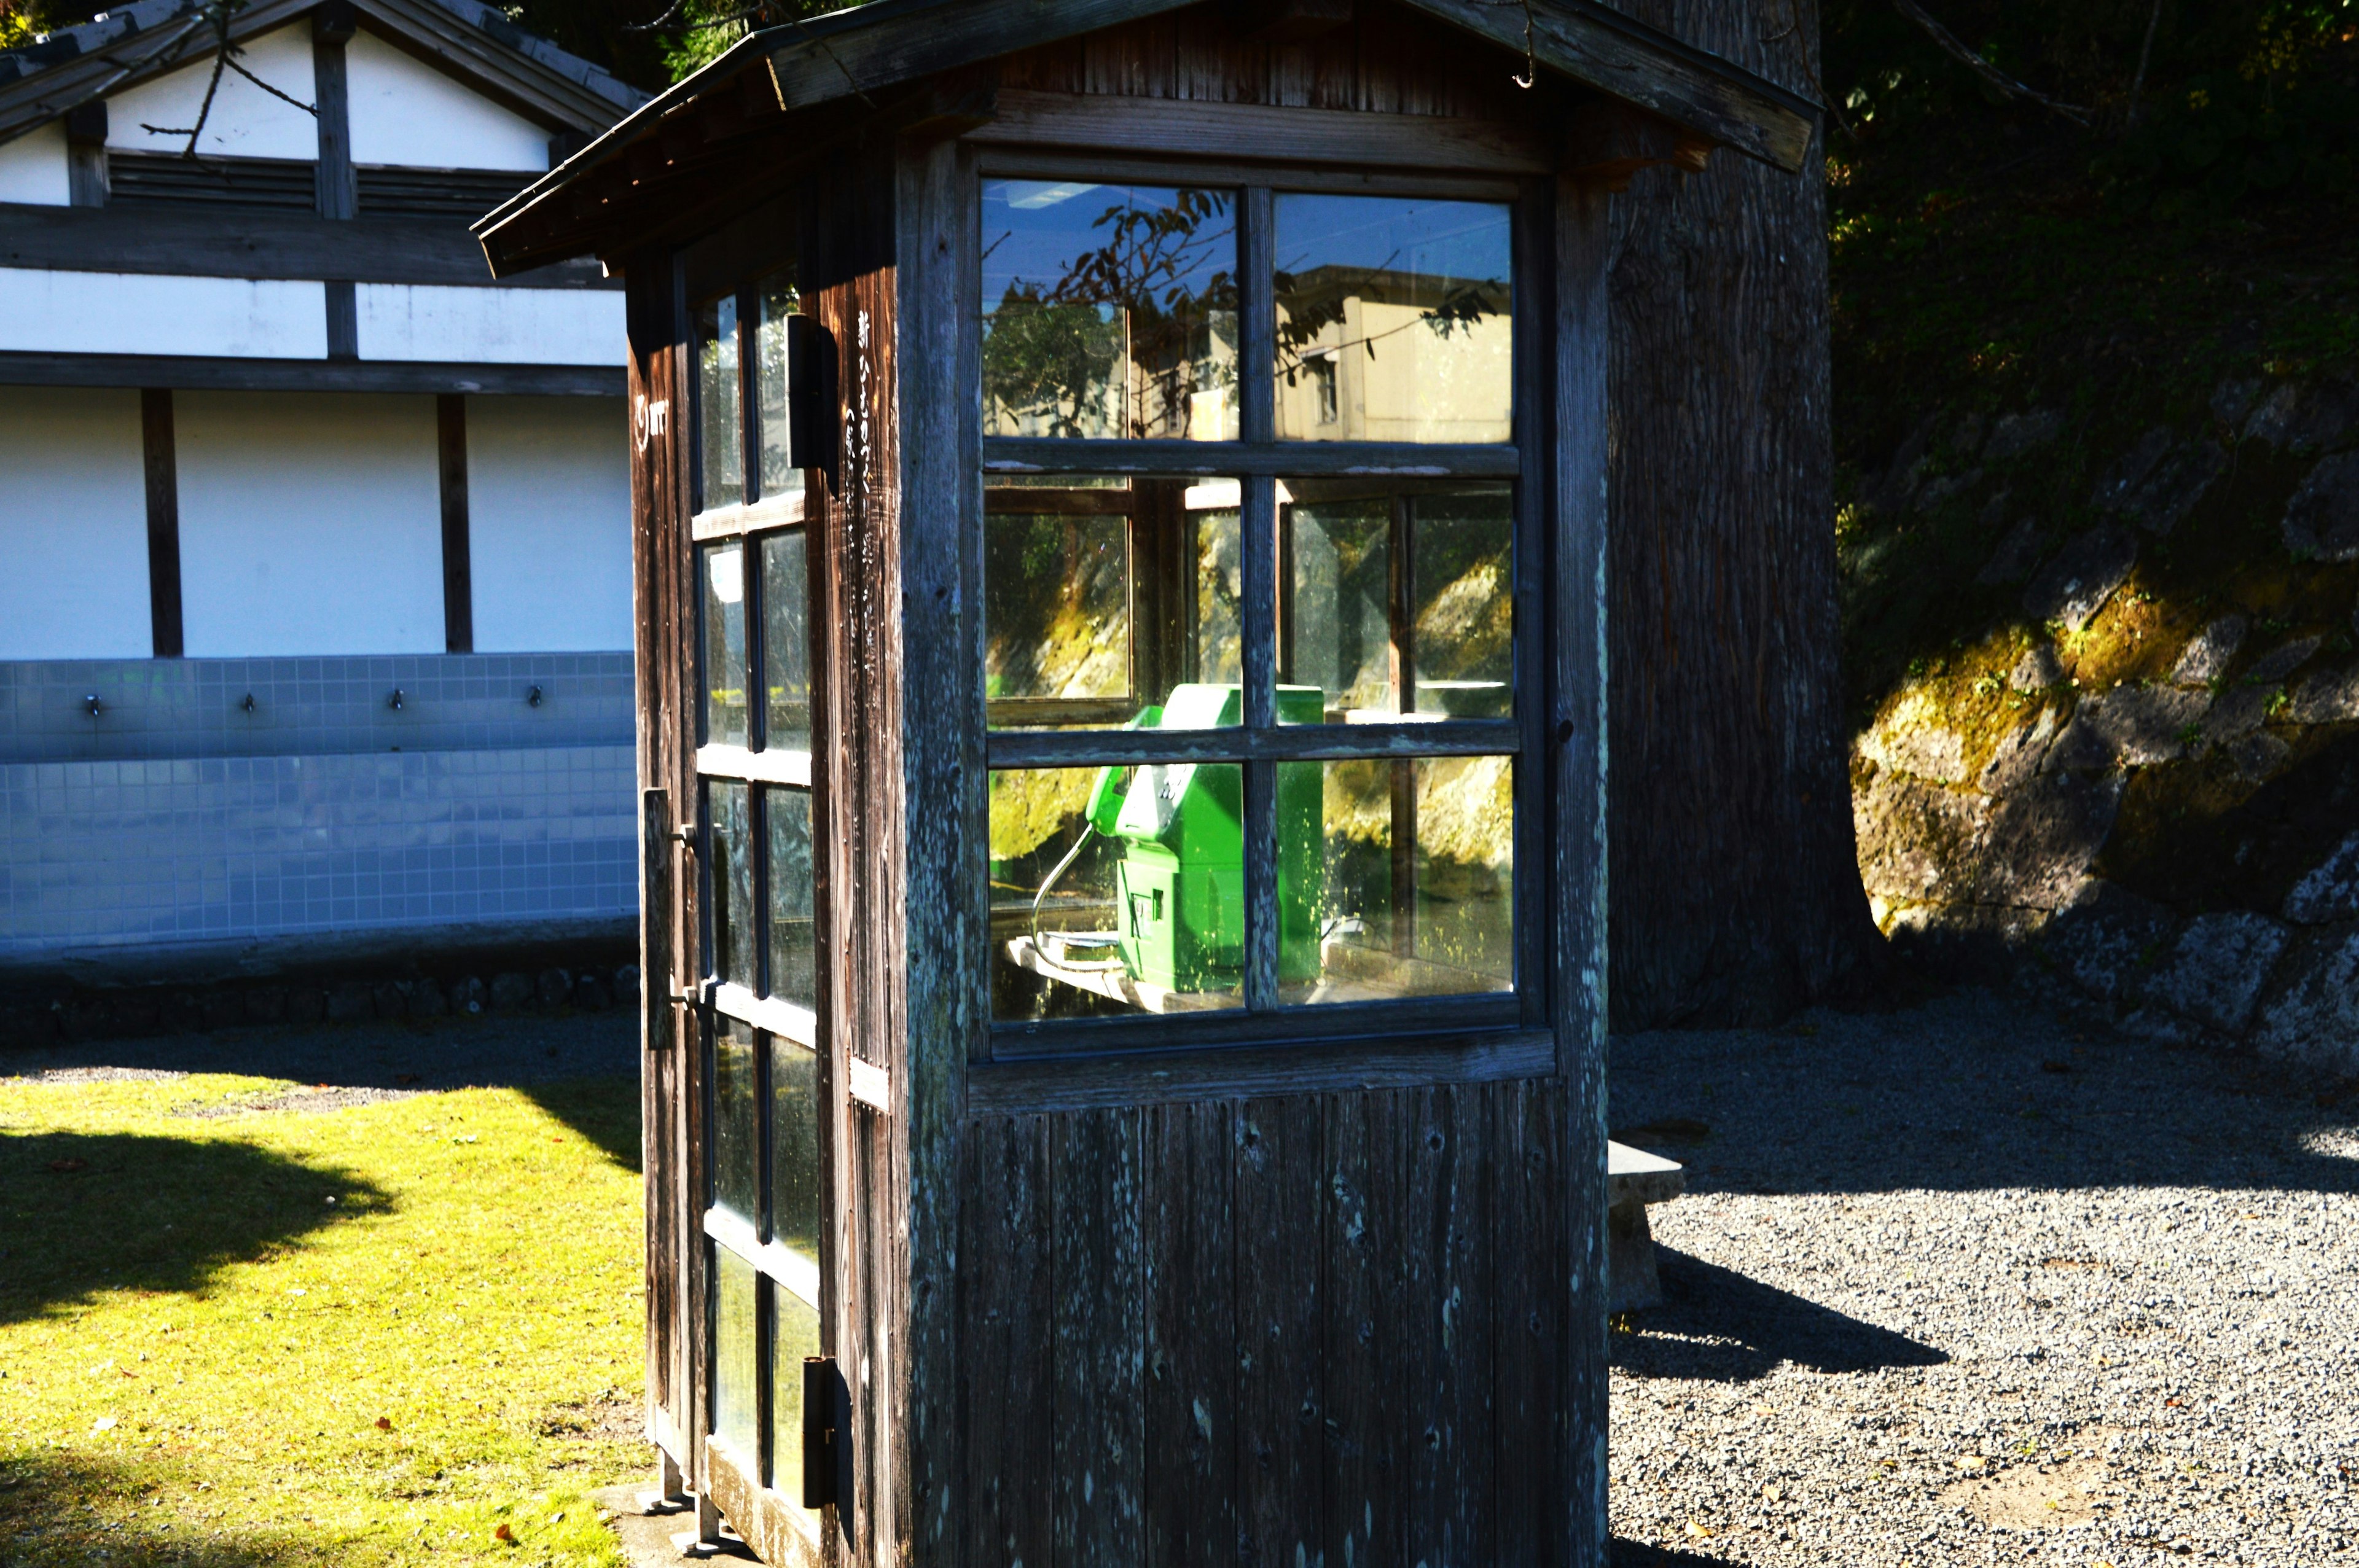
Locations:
(1577, 837)
(1529, 1301)
(1099, 1477)
(1006, 1343)
(1280, 1322)
(1069, 1083)
(1365, 1479)
(1174, 127)
(1190, 1394)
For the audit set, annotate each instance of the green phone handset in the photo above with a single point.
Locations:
(1104, 806)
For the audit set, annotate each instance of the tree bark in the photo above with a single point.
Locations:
(1736, 890)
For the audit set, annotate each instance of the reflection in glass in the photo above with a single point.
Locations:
(721, 453)
(794, 1148)
(1106, 602)
(786, 642)
(1463, 602)
(737, 1398)
(794, 936)
(725, 644)
(736, 1142)
(1117, 890)
(1436, 640)
(730, 837)
(777, 300)
(1393, 318)
(1412, 895)
(794, 1336)
(1108, 310)
(1057, 598)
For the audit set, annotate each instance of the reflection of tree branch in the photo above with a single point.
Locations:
(1462, 308)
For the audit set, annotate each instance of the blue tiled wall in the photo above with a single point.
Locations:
(178, 816)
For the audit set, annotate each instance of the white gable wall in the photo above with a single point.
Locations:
(548, 510)
(130, 313)
(246, 121)
(33, 167)
(308, 524)
(491, 326)
(73, 526)
(405, 112)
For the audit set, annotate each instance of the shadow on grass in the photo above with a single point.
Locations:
(603, 1110)
(1718, 1325)
(83, 1212)
(63, 1510)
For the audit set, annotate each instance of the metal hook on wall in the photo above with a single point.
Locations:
(394, 701)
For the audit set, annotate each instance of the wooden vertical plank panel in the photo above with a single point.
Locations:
(1361, 1489)
(458, 553)
(1280, 1418)
(1191, 1389)
(1528, 1323)
(160, 461)
(1005, 1342)
(944, 780)
(1534, 428)
(1577, 837)
(1447, 1318)
(1100, 1476)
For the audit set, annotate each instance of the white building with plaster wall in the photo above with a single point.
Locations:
(315, 608)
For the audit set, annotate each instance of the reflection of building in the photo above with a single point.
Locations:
(314, 562)
(1399, 356)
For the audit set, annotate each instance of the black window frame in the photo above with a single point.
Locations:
(1259, 461)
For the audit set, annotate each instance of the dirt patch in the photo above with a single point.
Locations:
(612, 1417)
(2034, 1496)
(318, 1098)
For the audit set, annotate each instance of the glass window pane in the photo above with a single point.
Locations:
(1463, 598)
(737, 1398)
(794, 1148)
(725, 644)
(720, 449)
(1117, 890)
(729, 839)
(786, 641)
(778, 299)
(1438, 642)
(1113, 601)
(736, 1142)
(1109, 310)
(794, 934)
(794, 1336)
(1393, 318)
(1408, 891)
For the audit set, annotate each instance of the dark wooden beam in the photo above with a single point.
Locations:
(333, 26)
(344, 321)
(1184, 127)
(163, 522)
(458, 555)
(204, 375)
(1606, 143)
(86, 153)
(1600, 48)
(259, 244)
(1288, 21)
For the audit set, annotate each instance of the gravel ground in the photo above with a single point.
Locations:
(1965, 1285)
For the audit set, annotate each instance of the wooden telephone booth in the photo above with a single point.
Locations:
(1120, 492)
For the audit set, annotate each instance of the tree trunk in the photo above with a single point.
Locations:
(1736, 890)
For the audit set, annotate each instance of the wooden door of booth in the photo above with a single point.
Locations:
(753, 1253)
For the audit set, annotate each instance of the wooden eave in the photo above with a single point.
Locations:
(418, 27)
(837, 66)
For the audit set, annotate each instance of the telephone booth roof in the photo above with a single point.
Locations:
(897, 62)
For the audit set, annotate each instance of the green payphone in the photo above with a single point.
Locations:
(1180, 885)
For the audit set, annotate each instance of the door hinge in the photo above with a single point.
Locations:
(826, 1405)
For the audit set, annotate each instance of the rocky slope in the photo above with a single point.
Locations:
(2129, 781)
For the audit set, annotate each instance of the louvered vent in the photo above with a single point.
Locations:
(147, 178)
(463, 193)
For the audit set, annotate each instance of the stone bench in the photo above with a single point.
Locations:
(1634, 1179)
